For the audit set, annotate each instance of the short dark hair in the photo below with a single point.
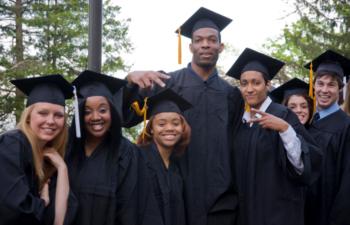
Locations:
(332, 74)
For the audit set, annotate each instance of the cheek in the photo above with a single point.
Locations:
(60, 122)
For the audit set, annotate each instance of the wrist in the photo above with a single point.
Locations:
(284, 127)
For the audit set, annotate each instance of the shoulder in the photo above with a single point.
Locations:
(14, 147)
(13, 137)
(281, 111)
(178, 72)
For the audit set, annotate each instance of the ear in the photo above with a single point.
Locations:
(190, 47)
(268, 84)
(222, 47)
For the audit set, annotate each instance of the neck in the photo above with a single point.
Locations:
(165, 153)
(203, 72)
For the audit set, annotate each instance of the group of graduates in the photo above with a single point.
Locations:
(210, 154)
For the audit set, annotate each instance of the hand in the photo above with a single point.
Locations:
(55, 158)
(44, 193)
(269, 121)
(145, 79)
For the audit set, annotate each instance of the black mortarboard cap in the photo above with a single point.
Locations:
(50, 88)
(251, 60)
(90, 83)
(203, 18)
(166, 101)
(331, 61)
(294, 86)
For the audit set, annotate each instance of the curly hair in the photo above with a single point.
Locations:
(180, 146)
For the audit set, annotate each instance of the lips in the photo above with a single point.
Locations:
(48, 130)
(97, 126)
(169, 137)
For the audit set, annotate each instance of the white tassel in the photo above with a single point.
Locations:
(344, 88)
(76, 114)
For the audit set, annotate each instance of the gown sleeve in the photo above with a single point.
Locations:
(341, 206)
(72, 205)
(311, 154)
(15, 193)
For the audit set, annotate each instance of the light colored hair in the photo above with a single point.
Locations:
(42, 169)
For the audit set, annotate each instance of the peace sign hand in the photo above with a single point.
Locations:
(268, 121)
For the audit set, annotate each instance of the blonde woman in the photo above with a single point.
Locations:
(34, 183)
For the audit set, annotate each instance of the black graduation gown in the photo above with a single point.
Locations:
(270, 191)
(20, 202)
(206, 166)
(164, 204)
(105, 186)
(328, 199)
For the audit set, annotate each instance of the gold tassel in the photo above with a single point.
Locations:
(246, 107)
(179, 47)
(141, 112)
(311, 88)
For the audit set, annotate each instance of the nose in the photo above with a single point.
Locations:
(205, 43)
(249, 88)
(50, 119)
(95, 115)
(324, 88)
(297, 109)
(169, 127)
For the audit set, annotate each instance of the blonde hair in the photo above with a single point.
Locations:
(42, 169)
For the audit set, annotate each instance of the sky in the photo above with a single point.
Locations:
(153, 24)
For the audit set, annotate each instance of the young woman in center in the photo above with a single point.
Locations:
(162, 142)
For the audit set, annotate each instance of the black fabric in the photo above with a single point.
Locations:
(331, 61)
(90, 83)
(165, 204)
(270, 190)
(20, 202)
(206, 165)
(203, 18)
(105, 187)
(166, 101)
(251, 60)
(294, 86)
(51, 88)
(328, 199)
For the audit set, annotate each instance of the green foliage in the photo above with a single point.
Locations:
(133, 132)
(53, 39)
(322, 25)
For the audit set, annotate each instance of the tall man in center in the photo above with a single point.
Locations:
(210, 195)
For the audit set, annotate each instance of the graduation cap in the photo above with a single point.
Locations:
(167, 101)
(50, 88)
(164, 101)
(90, 83)
(294, 86)
(328, 62)
(202, 18)
(251, 60)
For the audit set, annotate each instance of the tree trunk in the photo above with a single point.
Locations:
(19, 49)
